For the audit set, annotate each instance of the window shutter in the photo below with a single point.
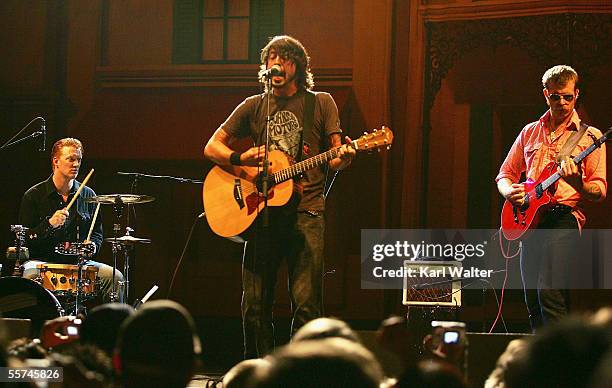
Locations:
(267, 21)
(187, 27)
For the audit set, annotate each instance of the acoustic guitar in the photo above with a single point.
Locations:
(232, 197)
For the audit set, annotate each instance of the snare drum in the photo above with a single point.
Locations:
(61, 279)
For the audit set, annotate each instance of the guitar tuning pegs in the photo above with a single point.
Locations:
(365, 132)
(374, 130)
(389, 147)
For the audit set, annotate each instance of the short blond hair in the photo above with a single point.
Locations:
(559, 75)
(65, 142)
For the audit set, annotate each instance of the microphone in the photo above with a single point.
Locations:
(44, 134)
(271, 72)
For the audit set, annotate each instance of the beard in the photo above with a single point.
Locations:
(278, 82)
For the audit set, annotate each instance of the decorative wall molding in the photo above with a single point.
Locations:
(187, 76)
(487, 9)
(579, 39)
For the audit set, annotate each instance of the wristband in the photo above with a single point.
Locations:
(235, 159)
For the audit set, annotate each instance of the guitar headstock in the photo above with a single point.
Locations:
(375, 140)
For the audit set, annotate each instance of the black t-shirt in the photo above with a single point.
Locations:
(249, 118)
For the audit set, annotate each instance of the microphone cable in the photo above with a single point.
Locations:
(180, 260)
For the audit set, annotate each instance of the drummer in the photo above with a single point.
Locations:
(52, 227)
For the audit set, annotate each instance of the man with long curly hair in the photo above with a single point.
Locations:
(295, 231)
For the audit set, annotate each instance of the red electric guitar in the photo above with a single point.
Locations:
(232, 200)
(516, 221)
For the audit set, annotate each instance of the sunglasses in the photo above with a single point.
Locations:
(556, 97)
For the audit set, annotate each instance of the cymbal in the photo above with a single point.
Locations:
(112, 199)
(127, 239)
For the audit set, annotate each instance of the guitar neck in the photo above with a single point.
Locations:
(307, 164)
(556, 176)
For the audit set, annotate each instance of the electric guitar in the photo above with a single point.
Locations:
(232, 197)
(517, 220)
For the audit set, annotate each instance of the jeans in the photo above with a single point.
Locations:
(298, 239)
(105, 273)
(546, 256)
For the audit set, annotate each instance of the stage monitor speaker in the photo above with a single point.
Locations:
(483, 351)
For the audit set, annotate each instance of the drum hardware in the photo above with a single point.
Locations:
(75, 249)
(78, 287)
(19, 252)
(140, 302)
(125, 242)
(79, 293)
(120, 199)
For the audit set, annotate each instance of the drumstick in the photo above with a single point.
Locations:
(93, 222)
(80, 189)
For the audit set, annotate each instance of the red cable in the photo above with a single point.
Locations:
(501, 302)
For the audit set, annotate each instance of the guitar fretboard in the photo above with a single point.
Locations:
(307, 164)
(556, 176)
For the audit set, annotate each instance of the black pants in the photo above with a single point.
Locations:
(546, 256)
(298, 239)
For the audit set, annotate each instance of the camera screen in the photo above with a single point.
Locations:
(451, 337)
(72, 330)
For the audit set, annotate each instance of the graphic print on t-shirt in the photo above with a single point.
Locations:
(285, 133)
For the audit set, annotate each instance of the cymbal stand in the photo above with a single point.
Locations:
(126, 267)
(78, 302)
(118, 208)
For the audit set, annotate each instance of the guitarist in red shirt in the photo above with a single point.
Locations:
(295, 231)
(545, 262)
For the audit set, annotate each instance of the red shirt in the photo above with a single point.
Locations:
(534, 148)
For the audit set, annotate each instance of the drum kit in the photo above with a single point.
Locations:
(64, 287)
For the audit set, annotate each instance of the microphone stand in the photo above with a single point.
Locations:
(266, 161)
(137, 175)
(133, 190)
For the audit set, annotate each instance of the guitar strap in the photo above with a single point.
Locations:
(309, 102)
(571, 142)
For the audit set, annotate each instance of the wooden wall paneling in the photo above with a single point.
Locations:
(398, 80)
(139, 32)
(411, 206)
(480, 178)
(83, 55)
(22, 45)
(448, 161)
(325, 28)
(372, 61)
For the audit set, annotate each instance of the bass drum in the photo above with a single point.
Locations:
(26, 299)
